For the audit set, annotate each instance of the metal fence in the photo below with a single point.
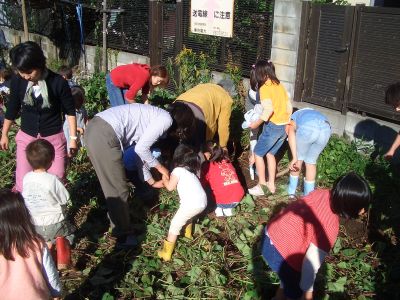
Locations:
(129, 28)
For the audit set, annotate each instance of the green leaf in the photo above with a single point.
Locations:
(342, 265)
(337, 286)
(349, 252)
(107, 296)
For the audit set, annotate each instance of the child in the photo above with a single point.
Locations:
(296, 242)
(254, 111)
(78, 94)
(276, 114)
(392, 97)
(27, 269)
(66, 73)
(5, 76)
(193, 199)
(308, 133)
(220, 175)
(45, 196)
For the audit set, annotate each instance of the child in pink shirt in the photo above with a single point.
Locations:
(27, 269)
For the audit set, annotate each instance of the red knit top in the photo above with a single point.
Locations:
(308, 220)
(223, 181)
(133, 77)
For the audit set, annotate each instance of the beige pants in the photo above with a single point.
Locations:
(182, 217)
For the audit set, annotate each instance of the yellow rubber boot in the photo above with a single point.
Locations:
(188, 231)
(166, 252)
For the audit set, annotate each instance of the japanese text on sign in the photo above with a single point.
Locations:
(212, 17)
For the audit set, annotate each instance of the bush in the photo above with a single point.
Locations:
(96, 93)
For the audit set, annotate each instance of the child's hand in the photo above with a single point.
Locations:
(294, 166)
(80, 130)
(256, 124)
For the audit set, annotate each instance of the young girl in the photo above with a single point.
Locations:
(193, 199)
(45, 196)
(299, 238)
(308, 133)
(220, 175)
(27, 269)
(276, 114)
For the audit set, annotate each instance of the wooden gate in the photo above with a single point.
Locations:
(347, 57)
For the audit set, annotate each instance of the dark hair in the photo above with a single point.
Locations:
(40, 154)
(78, 93)
(350, 194)
(160, 71)
(184, 121)
(5, 73)
(261, 72)
(16, 228)
(27, 56)
(186, 157)
(65, 71)
(216, 151)
(392, 95)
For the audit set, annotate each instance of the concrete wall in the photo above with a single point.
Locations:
(115, 58)
(285, 41)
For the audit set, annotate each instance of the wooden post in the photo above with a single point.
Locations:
(155, 21)
(25, 22)
(104, 53)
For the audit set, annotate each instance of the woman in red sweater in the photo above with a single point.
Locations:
(124, 82)
(298, 239)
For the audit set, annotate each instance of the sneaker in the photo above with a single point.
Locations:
(219, 212)
(227, 212)
(292, 197)
(256, 191)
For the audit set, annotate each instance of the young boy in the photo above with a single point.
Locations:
(44, 194)
(392, 97)
(66, 73)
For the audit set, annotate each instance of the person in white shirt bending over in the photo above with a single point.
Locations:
(45, 195)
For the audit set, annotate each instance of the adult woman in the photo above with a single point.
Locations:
(308, 133)
(298, 239)
(43, 97)
(124, 82)
(108, 135)
(211, 106)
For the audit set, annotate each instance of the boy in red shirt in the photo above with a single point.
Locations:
(220, 175)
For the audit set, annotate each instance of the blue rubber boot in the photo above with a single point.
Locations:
(308, 187)
(293, 181)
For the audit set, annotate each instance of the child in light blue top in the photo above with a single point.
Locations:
(308, 134)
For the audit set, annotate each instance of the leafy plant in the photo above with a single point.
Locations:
(192, 69)
(95, 93)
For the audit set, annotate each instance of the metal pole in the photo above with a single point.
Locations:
(104, 53)
(24, 21)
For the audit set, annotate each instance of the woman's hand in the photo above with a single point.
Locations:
(4, 142)
(158, 184)
(163, 171)
(307, 296)
(73, 148)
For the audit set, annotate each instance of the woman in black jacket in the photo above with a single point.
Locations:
(42, 97)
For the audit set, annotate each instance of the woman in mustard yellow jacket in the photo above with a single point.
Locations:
(211, 106)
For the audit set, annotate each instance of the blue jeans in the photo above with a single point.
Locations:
(290, 278)
(115, 94)
(311, 139)
(231, 205)
(270, 140)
